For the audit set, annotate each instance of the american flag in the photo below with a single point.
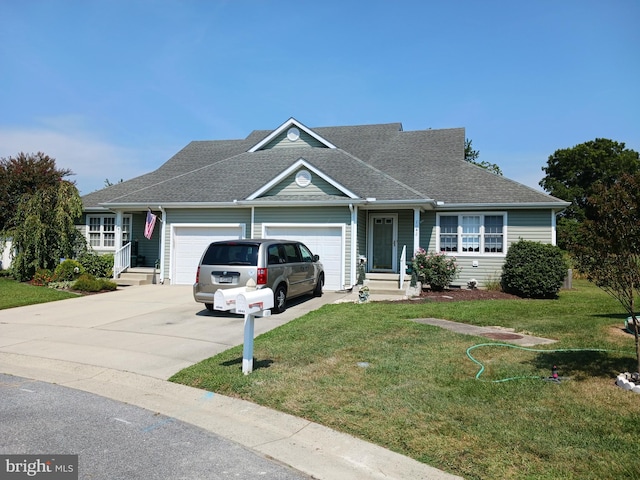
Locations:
(149, 224)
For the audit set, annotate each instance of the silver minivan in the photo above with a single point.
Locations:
(287, 267)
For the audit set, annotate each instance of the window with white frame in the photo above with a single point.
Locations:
(101, 230)
(471, 233)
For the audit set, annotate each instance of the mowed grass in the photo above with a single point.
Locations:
(17, 294)
(370, 371)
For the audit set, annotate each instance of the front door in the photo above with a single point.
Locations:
(383, 235)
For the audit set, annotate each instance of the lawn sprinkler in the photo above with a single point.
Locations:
(554, 376)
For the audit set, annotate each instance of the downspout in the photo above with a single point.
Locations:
(163, 234)
(354, 241)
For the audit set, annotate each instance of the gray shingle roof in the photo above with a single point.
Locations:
(380, 161)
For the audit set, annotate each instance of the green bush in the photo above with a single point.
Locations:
(68, 270)
(89, 283)
(435, 269)
(533, 270)
(97, 265)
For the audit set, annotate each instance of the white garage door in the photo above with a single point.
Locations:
(188, 245)
(322, 240)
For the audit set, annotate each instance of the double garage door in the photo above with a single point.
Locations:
(190, 241)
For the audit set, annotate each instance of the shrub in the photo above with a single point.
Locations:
(89, 283)
(97, 265)
(533, 270)
(435, 269)
(42, 277)
(68, 270)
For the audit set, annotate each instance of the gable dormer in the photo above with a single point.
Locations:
(292, 134)
(302, 179)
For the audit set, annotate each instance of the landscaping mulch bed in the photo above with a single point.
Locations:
(462, 294)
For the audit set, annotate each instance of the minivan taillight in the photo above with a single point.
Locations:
(262, 276)
(198, 275)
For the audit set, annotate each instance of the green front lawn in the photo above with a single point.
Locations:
(369, 371)
(16, 294)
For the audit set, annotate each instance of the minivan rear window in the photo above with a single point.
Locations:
(231, 254)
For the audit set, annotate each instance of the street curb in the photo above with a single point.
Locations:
(303, 445)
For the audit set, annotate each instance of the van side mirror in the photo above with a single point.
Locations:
(316, 258)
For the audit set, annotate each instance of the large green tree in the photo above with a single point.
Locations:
(20, 177)
(39, 209)
(607, 244)
(471, 156)
(572, 173)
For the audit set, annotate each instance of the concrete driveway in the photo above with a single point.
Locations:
(153, 330)
(123, 345)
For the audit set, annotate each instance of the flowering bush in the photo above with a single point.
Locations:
(435, 269)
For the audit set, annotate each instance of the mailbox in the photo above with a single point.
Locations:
(225, 300)
(254, 301)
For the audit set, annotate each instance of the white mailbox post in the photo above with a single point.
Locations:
(252, 303)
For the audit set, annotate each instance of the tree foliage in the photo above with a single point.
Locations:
(471, 156)
(607, 248)
(572, 173)
(39, 210)
(20, 177)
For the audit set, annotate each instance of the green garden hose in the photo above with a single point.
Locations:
(477, 377)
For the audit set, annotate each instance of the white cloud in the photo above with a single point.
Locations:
(91, 159)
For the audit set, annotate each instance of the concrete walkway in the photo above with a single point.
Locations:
(492, 333)
(123, 345)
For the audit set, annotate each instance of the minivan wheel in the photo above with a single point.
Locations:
(280, 299)
(317, 292)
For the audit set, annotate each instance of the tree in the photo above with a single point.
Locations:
(572, 173)
(471, 156)
(607, 247)
(20, 178)
(38, 211)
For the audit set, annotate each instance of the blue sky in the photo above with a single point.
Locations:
(112, 89)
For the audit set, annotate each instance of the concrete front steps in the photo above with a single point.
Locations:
(138, 276)
(386, 283)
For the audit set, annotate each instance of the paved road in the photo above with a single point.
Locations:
(115, 441)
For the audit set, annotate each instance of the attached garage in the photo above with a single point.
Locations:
(188, 242)
(327, 241)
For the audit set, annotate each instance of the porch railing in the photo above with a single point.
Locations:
(403, 266)
(121, 260)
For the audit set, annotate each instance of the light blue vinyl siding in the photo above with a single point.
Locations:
(196, 216)
(289, 187)
(305, 140)
(534, 225)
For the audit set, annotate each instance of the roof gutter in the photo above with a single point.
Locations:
(270, 203)
(511, 206)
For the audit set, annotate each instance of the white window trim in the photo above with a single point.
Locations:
(102, 232)
(482, 253)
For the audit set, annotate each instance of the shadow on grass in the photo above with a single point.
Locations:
(257, 364)
(585, 364)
